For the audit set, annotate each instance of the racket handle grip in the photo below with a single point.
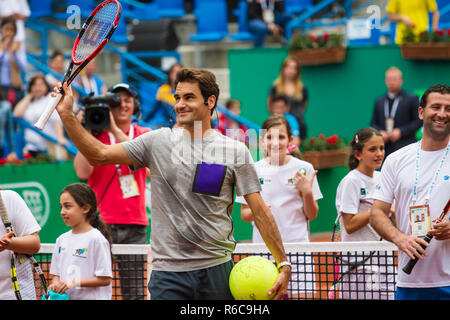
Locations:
(412, 262)
(40, 124)
(410, 265)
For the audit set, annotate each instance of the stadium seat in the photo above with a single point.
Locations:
(241, 14)
(86, 7)
(212, 24)
(170, 8)
(40, 8)
(297, 6)
(444, 11)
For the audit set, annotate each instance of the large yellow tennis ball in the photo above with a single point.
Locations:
(252, 277)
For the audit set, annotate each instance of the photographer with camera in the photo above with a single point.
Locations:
(120, 192)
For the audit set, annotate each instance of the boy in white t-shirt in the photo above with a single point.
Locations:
(81, 262)
(289, 186)
(418, 176)
(26, 240)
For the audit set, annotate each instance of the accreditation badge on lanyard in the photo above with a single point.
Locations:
(268, 11)
(419, 220)
(419, 215)
(389, 117)
(128, 183)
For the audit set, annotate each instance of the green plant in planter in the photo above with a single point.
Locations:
(304, 41)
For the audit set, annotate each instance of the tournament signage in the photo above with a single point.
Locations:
(36, 197)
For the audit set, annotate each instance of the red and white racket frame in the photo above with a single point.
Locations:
(69, 76)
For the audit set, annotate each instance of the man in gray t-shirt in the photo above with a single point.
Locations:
(193, 191)
(194, 173)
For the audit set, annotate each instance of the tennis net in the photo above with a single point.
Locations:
(320, 270)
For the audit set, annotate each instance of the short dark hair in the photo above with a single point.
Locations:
(231, 102)
(281, 97)
(206, 81)
(56, 53)
(9, 20)
(439, 88)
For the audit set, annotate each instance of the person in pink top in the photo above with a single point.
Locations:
(120, 191)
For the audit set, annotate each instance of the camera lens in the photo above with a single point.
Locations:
(97, 117)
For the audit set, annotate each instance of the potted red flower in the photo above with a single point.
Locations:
(310, 49)
(433, 45)
(325, 152)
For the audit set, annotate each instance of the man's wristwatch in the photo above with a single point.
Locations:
(284, 263)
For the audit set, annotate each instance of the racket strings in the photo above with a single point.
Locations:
(97, 31)
(24, 275)
(30, 278)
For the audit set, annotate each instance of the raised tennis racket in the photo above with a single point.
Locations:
(27, 277)
(412, 262)
(92, 38)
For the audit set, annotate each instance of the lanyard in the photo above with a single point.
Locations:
(433, 183)
(268, 4)
(89, 85)
(112, 140)
(394, 108)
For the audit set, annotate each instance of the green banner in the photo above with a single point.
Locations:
(40, 185)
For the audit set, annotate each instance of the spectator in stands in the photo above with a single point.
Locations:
(163, 108)
(412, 14)
(229, 127)
(264, 17)
(6, 129)
(395, 113)
(56, 64)
(18, 10)
(90, 81)
(121, 207)
(30, 108)
(280, 105)
(289, 83)
(12, 62)
(166, 91)
(290, 188)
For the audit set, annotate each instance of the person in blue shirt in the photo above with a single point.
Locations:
(280, 104)
(12, 62)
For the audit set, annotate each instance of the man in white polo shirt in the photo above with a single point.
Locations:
(417, 178)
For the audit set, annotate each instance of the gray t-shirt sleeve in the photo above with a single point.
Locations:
(139, 149)
(246, 177)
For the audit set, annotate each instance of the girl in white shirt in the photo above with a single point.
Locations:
(354, 198)
(290, 189)
(81, 262)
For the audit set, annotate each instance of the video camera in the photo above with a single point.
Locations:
(96, 110)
